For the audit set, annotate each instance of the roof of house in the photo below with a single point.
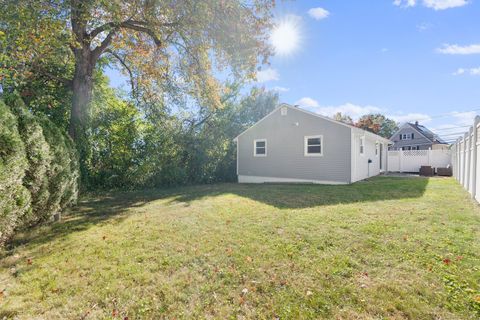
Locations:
(318, 116)
(427, 133)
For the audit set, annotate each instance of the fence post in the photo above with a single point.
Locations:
(400, 156)
(474, 156)
(465, 156)
(429, 157)
(457, 149)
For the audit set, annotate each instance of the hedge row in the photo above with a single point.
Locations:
(39, 171)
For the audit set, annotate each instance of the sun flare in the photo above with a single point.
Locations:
(285, 37)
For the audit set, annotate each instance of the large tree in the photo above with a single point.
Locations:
(164, 46)
(378, 124)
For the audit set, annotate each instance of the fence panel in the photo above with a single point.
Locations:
(465, 156)
(412, 160)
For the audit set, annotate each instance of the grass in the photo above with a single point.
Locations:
(388, 248)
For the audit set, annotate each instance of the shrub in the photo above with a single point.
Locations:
(63, 171)
(14, 197)
(39, 158)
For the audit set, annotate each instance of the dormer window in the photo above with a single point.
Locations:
(406, 136)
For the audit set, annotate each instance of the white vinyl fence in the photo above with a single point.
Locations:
(466, 163)
(412, 160)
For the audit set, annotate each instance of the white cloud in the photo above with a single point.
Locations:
(424, 26)
(267, 75)
(456, 49)
(350, 109)
(307, 102)
(280, 89)
(318, 13)
(470, 71)
(444, 4)
(464, 118)
(433, 4)
(405, 3)
(411, 117)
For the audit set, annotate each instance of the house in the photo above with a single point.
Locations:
(294, 145)
(413, 136)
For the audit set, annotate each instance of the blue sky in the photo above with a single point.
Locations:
(411, 60)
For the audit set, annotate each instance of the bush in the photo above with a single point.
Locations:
(14, 197)
(39, 158)
(39, 169)
(63, 172)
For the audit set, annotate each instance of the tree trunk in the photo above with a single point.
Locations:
(82, 91)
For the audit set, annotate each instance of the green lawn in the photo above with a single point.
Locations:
(388, 248)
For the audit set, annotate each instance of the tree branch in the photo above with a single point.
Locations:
(124, 64)
(103, 46)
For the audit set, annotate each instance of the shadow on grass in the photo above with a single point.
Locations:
(113, 207)
(292, 196)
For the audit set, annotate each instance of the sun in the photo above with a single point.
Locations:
(285, 37)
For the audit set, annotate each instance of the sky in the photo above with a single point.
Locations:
(408, 59)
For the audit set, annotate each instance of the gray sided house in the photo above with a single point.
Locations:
(294, 145)
(413, 136)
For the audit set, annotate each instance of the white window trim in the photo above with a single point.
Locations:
(362, 143)
(255, 148)
(305, 146)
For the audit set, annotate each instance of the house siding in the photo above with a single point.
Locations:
(285, 148)
(361, 169)
(418, 139)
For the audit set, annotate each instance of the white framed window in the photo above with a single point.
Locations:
(260, 148)
(313, 146)
(376, 148)
(362, 145)
(283, 111)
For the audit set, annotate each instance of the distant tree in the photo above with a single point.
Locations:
(342, 118)
(378, 124)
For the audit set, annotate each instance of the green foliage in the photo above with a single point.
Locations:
(14, 197)
(129, 149)
(38, 168)
(378, 124)
(63, 172)
(36, 178)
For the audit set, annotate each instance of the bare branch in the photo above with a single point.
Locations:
(124, 64)
(97, 52)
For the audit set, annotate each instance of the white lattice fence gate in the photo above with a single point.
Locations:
(412, 160)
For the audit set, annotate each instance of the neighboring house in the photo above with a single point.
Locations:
(294, 145)
(413, 136)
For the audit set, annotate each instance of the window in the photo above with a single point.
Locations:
(314, 146)
(283, 111)
(362, 145)
(407, 148)
(260, 148)
(406, 136)
(376, 148)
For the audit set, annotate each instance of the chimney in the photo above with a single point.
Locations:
(416, 123)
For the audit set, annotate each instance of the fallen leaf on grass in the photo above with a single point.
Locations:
(249, 259)
(29, 261)
(447, 261)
